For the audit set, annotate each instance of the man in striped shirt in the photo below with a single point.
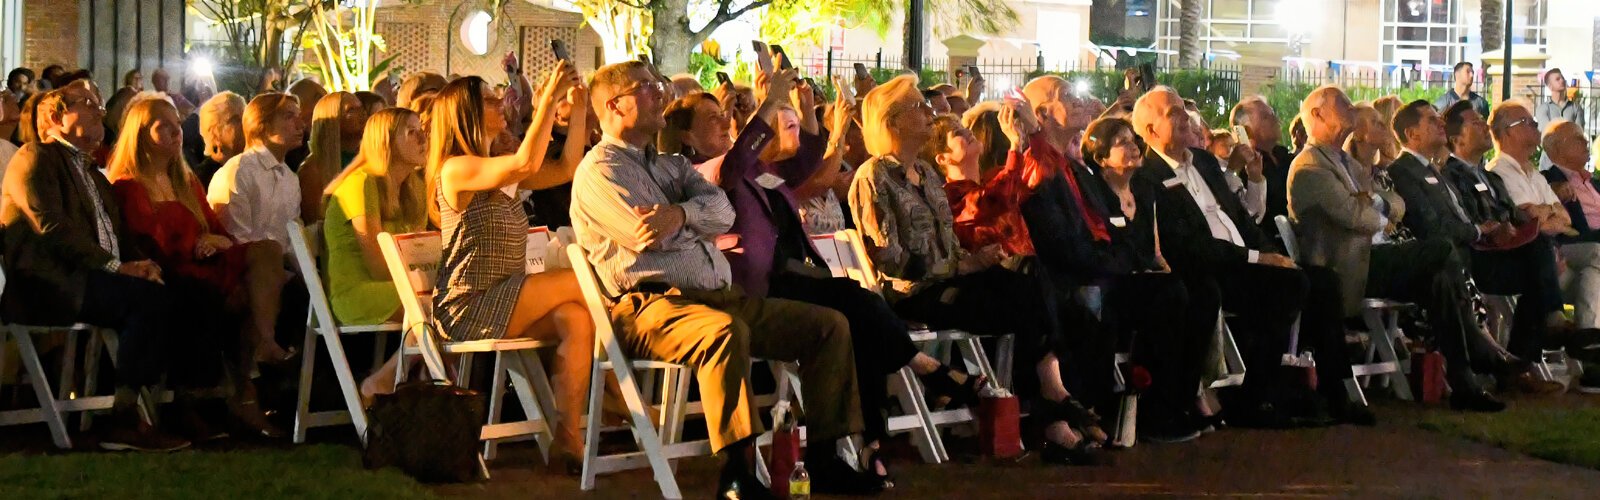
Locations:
(651, 226)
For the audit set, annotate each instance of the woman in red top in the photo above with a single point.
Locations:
(161, 201)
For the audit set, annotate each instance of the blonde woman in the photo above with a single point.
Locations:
(255, 195)
(382, 191)
(161, 202)
(222, 130)
(336, 127)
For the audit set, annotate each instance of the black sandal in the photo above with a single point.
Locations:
(1082, 420)
(873, 462)
(941, 384)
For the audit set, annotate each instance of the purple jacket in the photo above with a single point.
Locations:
(751, 243)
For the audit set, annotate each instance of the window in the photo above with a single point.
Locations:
(1225, 25)
(1437, 33)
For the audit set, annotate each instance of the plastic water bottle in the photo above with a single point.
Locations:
(800, 482)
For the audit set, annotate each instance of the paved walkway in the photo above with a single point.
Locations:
(1392, 460)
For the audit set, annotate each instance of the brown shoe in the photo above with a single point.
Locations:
(1528, 383)
(132, 434)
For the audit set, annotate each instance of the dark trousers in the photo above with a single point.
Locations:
(162, 329)
(1530, 272)
(1429, 273)
(1322, 332)
(1169, 336)
(1266, 301)
(998, 301)
(879, 337)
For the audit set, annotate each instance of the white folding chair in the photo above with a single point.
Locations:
(413, 261)
(52, 410)
(1382, 319)
(846, 256)
(1233, 367)
(322, 327)
(655, 448)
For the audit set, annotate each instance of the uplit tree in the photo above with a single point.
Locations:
(1491, 14)
(256, 31)
(347, 44)
(1189, 34)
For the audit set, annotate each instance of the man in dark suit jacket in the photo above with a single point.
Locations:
(1214, 245)
(1434, 211)
(68, 259)
(1483, 196)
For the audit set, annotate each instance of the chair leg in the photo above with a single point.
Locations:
(908, 390)
(69, 365)
(497, 396)
(48, 410)
(532, 384)
(643, 429)
(1387, 353)
(591, 429)
(302, 403)
(349, 386)
(91, 375)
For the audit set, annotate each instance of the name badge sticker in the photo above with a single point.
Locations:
(1119, 221)
(1431, 179)
(769, 181)
(1173, 182)
(1481, 187)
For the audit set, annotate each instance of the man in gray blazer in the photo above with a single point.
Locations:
(1339, 214)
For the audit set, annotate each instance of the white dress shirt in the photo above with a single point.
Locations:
(1253, 194)
(261, 194)
(1522, 186)
(1221, 225)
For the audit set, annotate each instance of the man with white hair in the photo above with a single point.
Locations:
(1263, 132)
(1338, 215)
(1213, 244)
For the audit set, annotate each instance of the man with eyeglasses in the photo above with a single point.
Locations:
(1566, 146)
(68, 259)
(652, 226)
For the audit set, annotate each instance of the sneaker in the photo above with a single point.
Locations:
(135, 435)
(1589, 383)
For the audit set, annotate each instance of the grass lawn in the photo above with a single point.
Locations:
(313, 471)
(1559, 433)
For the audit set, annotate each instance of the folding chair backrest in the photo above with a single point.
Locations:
(305, 259)
(1286, 231)
(413, 261)
(599, 304)
(538, 248)
(847, 257)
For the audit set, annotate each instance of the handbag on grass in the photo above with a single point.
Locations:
(428, 429)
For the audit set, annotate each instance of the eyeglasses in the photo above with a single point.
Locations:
(87, 102)
(651, 87)
(1518, 123)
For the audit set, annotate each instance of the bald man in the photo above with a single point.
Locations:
(1213, 244)
(1338, 218)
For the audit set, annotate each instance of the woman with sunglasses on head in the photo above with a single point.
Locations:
(483, 291)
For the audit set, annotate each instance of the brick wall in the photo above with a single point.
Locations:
(50, 33)
(427, 39)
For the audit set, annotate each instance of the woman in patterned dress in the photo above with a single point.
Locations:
(483, 291)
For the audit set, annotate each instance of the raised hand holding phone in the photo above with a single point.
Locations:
(763, 56)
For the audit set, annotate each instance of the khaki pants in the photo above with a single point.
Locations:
(717, 332)
(1581, 282)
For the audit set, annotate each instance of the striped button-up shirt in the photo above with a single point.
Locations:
(616, 177)
(105, 232)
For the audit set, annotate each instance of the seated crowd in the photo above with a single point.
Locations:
(1081, 229)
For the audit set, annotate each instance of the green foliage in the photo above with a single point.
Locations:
(1559, 433)
(804, 24)
(1285, 97)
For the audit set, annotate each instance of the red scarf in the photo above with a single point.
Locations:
(1044, 158)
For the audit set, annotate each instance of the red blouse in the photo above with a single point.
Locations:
(168, 232)
(990, 213)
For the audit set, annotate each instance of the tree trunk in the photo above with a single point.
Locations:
(913, 28)
(1189, 34)
(671, 40)
(1490, 16)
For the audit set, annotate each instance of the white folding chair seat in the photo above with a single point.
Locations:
(53, 409)
(1382, 319)
(413, 261)
(323, 328)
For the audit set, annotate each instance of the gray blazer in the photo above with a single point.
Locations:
(1334, 222)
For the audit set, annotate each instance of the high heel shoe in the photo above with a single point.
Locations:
(941, 384)
(248, 415)
(1081, 419)
(872, 461)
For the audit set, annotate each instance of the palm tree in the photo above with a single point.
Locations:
(1490, 16)
(1189, 34)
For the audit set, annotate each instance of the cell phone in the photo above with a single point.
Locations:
(810, 84)
(846, 92)
(763, 56)
(1241, 136)
(722, 77)
(559, 47)
(783, 59)
(861, 71)
(1147, 76)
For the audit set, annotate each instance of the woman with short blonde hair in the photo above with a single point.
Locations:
(222, 130)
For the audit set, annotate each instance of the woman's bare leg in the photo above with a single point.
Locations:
(551, 307)
(264, 278)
